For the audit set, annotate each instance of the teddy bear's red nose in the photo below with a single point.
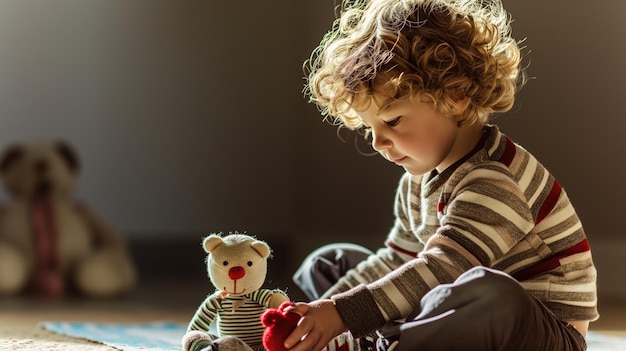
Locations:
(236, 272)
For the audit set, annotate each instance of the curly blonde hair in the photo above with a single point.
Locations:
(437, 50)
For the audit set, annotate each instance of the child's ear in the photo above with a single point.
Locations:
(460, 104)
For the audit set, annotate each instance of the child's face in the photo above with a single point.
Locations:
(413, 135)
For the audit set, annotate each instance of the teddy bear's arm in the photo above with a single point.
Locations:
(277, 298)
(205, 314)
(269, 298)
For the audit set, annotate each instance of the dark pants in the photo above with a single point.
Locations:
(483, 309)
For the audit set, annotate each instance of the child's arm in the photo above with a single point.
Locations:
(320, 323)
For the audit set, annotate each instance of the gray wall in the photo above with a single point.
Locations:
(190, 119)
(183, 115)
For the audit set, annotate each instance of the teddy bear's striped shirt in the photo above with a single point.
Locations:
(238, 316)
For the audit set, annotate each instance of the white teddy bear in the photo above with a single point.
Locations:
(48, 243)
(237, 266)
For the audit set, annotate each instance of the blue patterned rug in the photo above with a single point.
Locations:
(165, 336)
(156, 336)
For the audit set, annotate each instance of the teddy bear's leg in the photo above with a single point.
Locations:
(196, 340)
(230, 343)
(105, 273)
(14, 270)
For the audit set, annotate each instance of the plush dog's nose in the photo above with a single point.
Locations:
(41, 167)
(236, 272)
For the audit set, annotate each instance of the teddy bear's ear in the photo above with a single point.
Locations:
(68, 154)
(261, 248)
(12, 154)
(211, 242)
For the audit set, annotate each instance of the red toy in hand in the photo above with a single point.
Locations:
(278, 325)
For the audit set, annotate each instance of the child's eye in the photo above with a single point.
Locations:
(393, 122)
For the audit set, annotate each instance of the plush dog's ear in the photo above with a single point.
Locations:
(12, 154)
(69, 155)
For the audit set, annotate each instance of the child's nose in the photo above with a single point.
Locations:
(380, 141)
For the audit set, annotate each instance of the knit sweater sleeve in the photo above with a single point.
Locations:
(485, 215)
(388, 258)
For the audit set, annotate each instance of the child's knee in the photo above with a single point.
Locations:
(496, 291)
(336, 252)
(324, 266)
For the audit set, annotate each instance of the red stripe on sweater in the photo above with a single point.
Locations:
(441, 206)
(401, 250)
(509, 153)
(549, 202)
(551, 262)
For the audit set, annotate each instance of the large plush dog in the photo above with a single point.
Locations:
(49, 244)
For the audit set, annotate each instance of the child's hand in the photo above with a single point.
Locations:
(319, 324)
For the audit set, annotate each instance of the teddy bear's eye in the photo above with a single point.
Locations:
(225, 263)
(249, 263)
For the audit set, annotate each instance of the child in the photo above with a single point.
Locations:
(487, 252)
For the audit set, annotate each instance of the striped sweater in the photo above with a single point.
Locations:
(497, 207)
(238, 316)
